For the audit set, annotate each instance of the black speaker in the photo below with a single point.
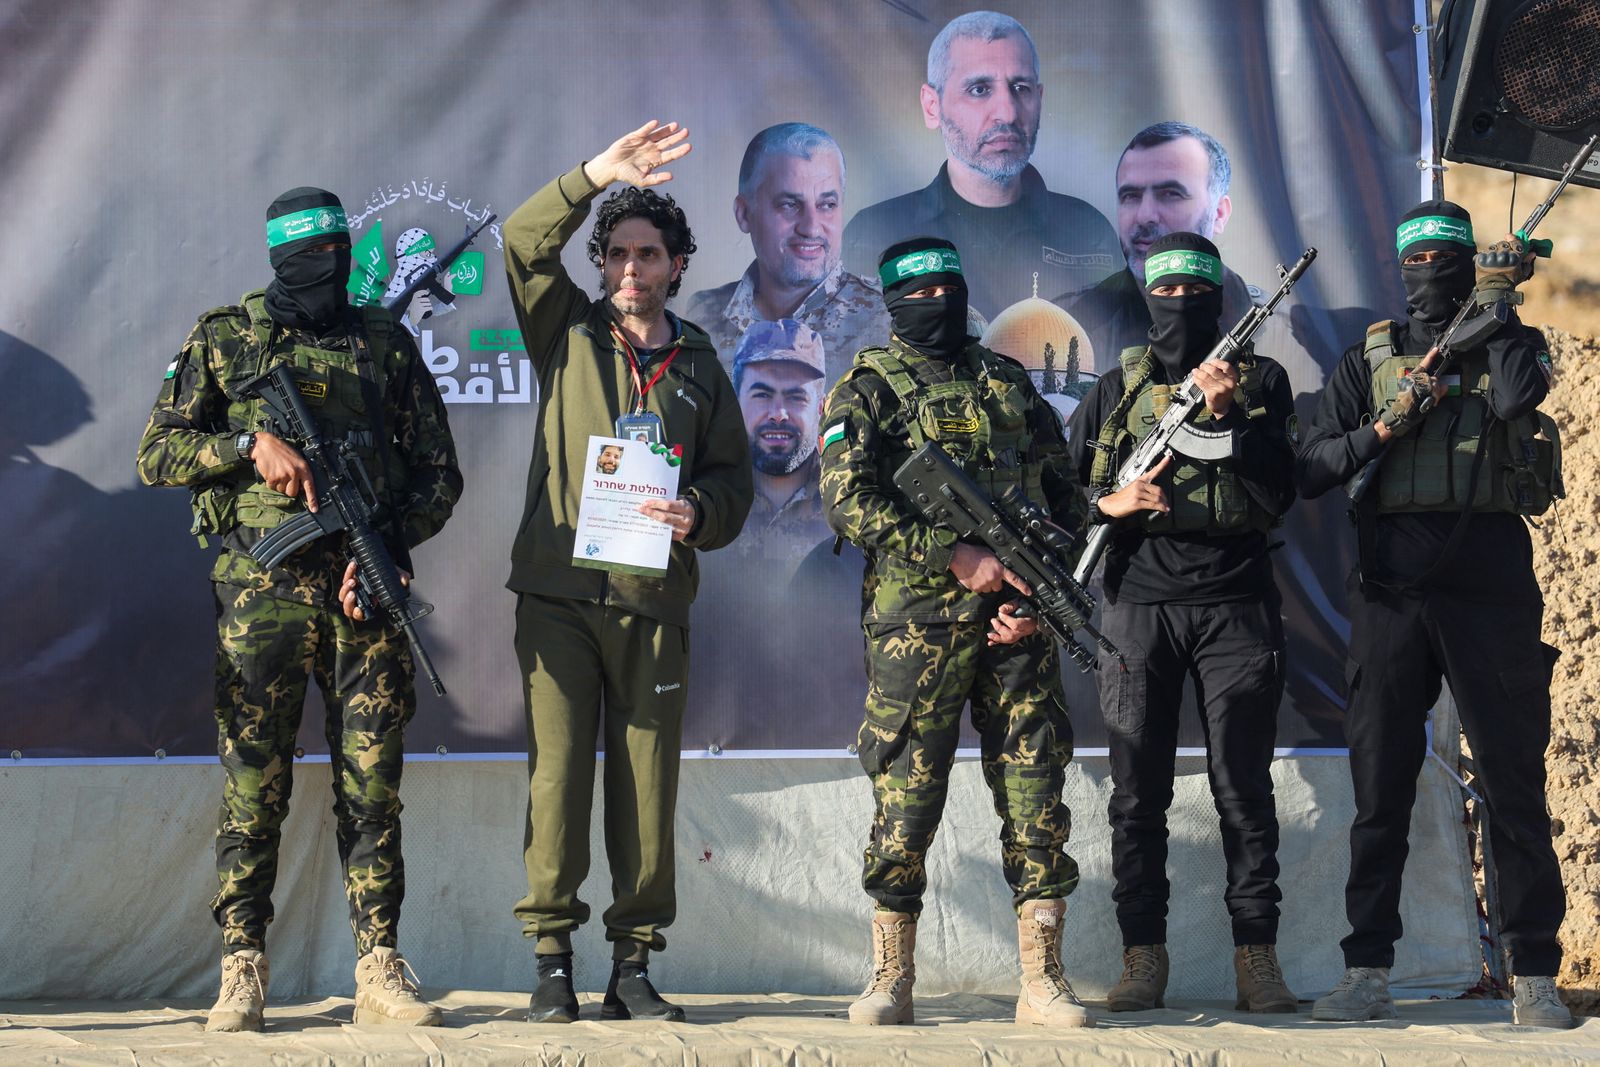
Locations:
(1521, 80)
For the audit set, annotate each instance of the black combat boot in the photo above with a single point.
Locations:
(629, 995)
(554, 1001)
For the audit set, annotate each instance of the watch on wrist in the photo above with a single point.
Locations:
(245, 443)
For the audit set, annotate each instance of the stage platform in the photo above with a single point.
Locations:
(957, 1028)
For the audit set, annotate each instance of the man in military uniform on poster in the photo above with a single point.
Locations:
(939, 619)
(1172, 176)
(364, 382)
(985, 96)
(612, 367)
(791, 203)
(778, 371)
(1445, 588)
(1189, 591)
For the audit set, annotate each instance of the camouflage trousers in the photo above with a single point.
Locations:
(267, 648)
(919, 677)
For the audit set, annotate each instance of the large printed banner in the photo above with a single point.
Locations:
(144, 142)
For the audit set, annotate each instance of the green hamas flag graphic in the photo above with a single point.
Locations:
(466, 274)
(369, 268)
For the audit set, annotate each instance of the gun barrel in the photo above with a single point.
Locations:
(1549, 202)
(424, 662)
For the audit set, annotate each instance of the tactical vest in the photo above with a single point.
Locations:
(981, 423)
(1205, 497)
(339, 398)
(1430, 468)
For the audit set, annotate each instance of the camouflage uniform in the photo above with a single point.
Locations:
(845, 309)
(276, 628)
(927, 652)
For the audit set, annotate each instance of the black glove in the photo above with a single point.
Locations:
(1504, 266)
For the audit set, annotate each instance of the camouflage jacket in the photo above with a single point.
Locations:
(189, 442)
(846, 310)
(908, 575)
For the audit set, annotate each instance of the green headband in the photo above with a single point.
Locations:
(1432, 228)
(932, 261)
(1182, 261)
(419, 246)
(312, 222)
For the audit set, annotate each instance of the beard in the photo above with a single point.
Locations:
(647, 304)
(997, 169)
(787, 458)
(1205, 225)
(795, 273)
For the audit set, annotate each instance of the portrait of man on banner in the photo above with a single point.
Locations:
(985, 97)
(791, 203)
(1172, 177)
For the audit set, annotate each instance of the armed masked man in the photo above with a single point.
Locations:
(364, 383)
(1445, 588)
(940, 625)
(1189, 593)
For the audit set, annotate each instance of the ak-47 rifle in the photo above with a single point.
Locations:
(347, 501)
(1175, 433)
(1474, 322)
(428, 277)
(1020, 535)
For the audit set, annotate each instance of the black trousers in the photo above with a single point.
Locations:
(1499, 674)
(1234, 653)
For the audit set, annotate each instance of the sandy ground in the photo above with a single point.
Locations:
(1563, 298)
(962, 1028)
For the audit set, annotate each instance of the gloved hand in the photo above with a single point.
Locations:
(1505, 265)
(1416, 398)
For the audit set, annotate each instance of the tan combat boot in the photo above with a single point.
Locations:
(1144, 979)
(887, 999)
(384, 993)
(1260, 981)
(1047, 998)
(244, 992)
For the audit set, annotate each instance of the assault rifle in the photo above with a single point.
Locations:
(1020, 535)
(1468, 330)
(428, 277)
(1174, 432)
(348, 501)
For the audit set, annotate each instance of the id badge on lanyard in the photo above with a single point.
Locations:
(639, 424)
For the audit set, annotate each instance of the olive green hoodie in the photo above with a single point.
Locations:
(584, 385)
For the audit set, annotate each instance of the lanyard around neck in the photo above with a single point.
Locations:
(641, 386)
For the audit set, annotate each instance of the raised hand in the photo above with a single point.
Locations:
(634, 157)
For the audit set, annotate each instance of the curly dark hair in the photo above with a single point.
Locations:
(659, 209)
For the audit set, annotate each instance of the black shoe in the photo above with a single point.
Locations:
(554, 1001)
(629, 995)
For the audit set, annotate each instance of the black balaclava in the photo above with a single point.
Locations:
(1183, 328)
(307, 291)
(1435, 290)
(934, 326)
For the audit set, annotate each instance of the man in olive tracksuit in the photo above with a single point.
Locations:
(584, 635)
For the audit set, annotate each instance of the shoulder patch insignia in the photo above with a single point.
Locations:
(832, 435)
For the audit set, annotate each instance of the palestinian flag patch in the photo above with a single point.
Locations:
(172, 371)
(831, 435)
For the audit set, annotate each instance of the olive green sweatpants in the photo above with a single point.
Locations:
(587, 667)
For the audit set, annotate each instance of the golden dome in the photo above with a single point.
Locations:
(1023, 330)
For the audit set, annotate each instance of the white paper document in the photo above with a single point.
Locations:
(619, 475)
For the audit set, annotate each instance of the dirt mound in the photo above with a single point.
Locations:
(1565, 547)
